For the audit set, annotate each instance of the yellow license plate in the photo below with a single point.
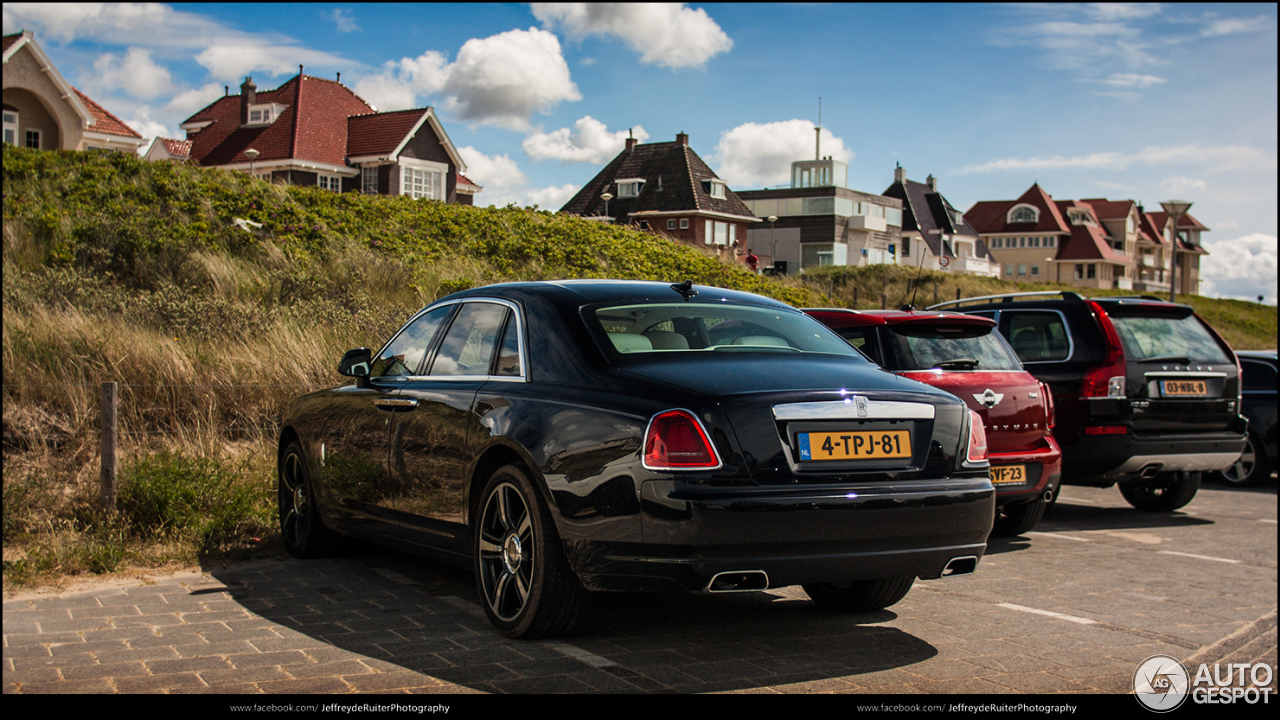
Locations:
(1007, 474)
(1184, 387)
(855, 445)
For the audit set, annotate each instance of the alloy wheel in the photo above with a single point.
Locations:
(507, 551)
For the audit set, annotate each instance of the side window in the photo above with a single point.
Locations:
(1038, 336)
(1258, 376)
(862, 338)
(404, 354)
(467, 347)
(509, 351)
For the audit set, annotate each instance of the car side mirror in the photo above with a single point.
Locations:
(356, 363)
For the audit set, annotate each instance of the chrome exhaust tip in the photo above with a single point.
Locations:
(960, 566)
(1149, 471)
(1048, 496)
(739, 581)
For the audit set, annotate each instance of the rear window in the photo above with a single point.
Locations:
(921, 348)
(1159, 336)
(1038, 336)
(651, 328)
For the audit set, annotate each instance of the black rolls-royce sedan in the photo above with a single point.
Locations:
(560, 437)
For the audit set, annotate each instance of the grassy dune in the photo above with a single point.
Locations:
(117, 269)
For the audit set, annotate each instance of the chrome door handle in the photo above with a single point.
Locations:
(396, 403)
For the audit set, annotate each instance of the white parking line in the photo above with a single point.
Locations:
(1059, 535)
(1060, 616)
(1266, 520)
(579, 654)
(1199, 557)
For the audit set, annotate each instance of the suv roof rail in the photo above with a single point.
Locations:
(1009, 297)
(1122, 298)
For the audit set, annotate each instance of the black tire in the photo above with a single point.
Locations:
(1251, 468)
(1017, 519)
(525, 583)
(1176, 490)
(859, 596)
(301, 528)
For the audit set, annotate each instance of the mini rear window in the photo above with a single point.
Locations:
(926, 348)
(1157, 336)
(683, 328)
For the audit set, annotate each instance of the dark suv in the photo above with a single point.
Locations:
(1147, 395)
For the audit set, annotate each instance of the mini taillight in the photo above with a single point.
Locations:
(977, 439)
(1107, 379)
(675, 440)
(1049, 418)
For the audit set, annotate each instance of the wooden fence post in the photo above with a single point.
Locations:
(109, 432)
(855, 296)
(957, 293)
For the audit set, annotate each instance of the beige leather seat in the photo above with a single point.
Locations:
(630, 342)
(764, 340)
(664, 340)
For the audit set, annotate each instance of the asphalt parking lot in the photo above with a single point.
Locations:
(1071, 607)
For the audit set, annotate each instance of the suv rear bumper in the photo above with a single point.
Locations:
(1107, 459)
(1047, 458)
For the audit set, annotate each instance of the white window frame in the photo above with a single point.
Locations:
(715, 188)
(1035, 213)
(367, 174)
(671, 224)
(267, 113)
(332, 183)
(684, 223)
(26, 139)
(630, 187)
(430, 191)
(11, 127)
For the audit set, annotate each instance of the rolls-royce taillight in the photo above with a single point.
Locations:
(676, 440)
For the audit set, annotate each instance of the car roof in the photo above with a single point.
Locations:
(1261, 354)
(588, 291)
(840, 317)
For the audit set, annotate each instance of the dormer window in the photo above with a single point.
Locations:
(1079, 217)
(629, 187)
(265, 114)
(1024, 214)
(715, 188)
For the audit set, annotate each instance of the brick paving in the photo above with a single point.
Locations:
(373, 621)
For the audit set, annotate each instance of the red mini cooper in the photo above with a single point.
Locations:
(964, 355)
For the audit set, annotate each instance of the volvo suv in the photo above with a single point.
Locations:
(1146, 393)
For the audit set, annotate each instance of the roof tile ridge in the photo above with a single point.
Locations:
(297, 114)
(693, 184)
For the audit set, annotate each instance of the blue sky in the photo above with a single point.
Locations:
(1146, 102)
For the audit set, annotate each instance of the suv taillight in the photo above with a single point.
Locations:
(1107, 379)
(977, 452)
(675, 440)
(1049, 418)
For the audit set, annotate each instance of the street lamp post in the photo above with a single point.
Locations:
(773, 241)
(1175, 209)
(1048, 264)
(606, 197)
(251, 154)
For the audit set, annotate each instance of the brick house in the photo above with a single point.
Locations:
(43, 111)
(1095, 242)
(667, 189)
(934, 234)
(314, 131)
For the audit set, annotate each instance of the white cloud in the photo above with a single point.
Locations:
(231, 60)
(497, 172)
(1242, 268)
(345, 20)
(186, 103)
(136, 74)
(1232, 26)
(116, 23)
(498, 80)
(1132, 80)
(1215, 159)
(1182, 186)
(589, 142)
(552, 198)
(142, 123)
(667, 34)
(755, 155)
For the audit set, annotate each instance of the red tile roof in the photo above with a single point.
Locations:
(991, 216)
(1110, 209)
(9, 40)
(1087, 242)
(176, 148)
(1188, 221)
(467, 185)
(381, 133)
(105, 122)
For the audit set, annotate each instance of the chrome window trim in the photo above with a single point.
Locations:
(847, 410)
(520, 339)
(1071, 343)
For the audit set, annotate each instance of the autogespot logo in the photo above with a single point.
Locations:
(1160, 683)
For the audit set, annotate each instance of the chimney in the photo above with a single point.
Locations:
(339, 80)
(899, 175)
(682, 139)
(932, 182)
(248, 96)
(631, 141)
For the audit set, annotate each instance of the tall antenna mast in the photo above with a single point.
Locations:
(817, 132)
